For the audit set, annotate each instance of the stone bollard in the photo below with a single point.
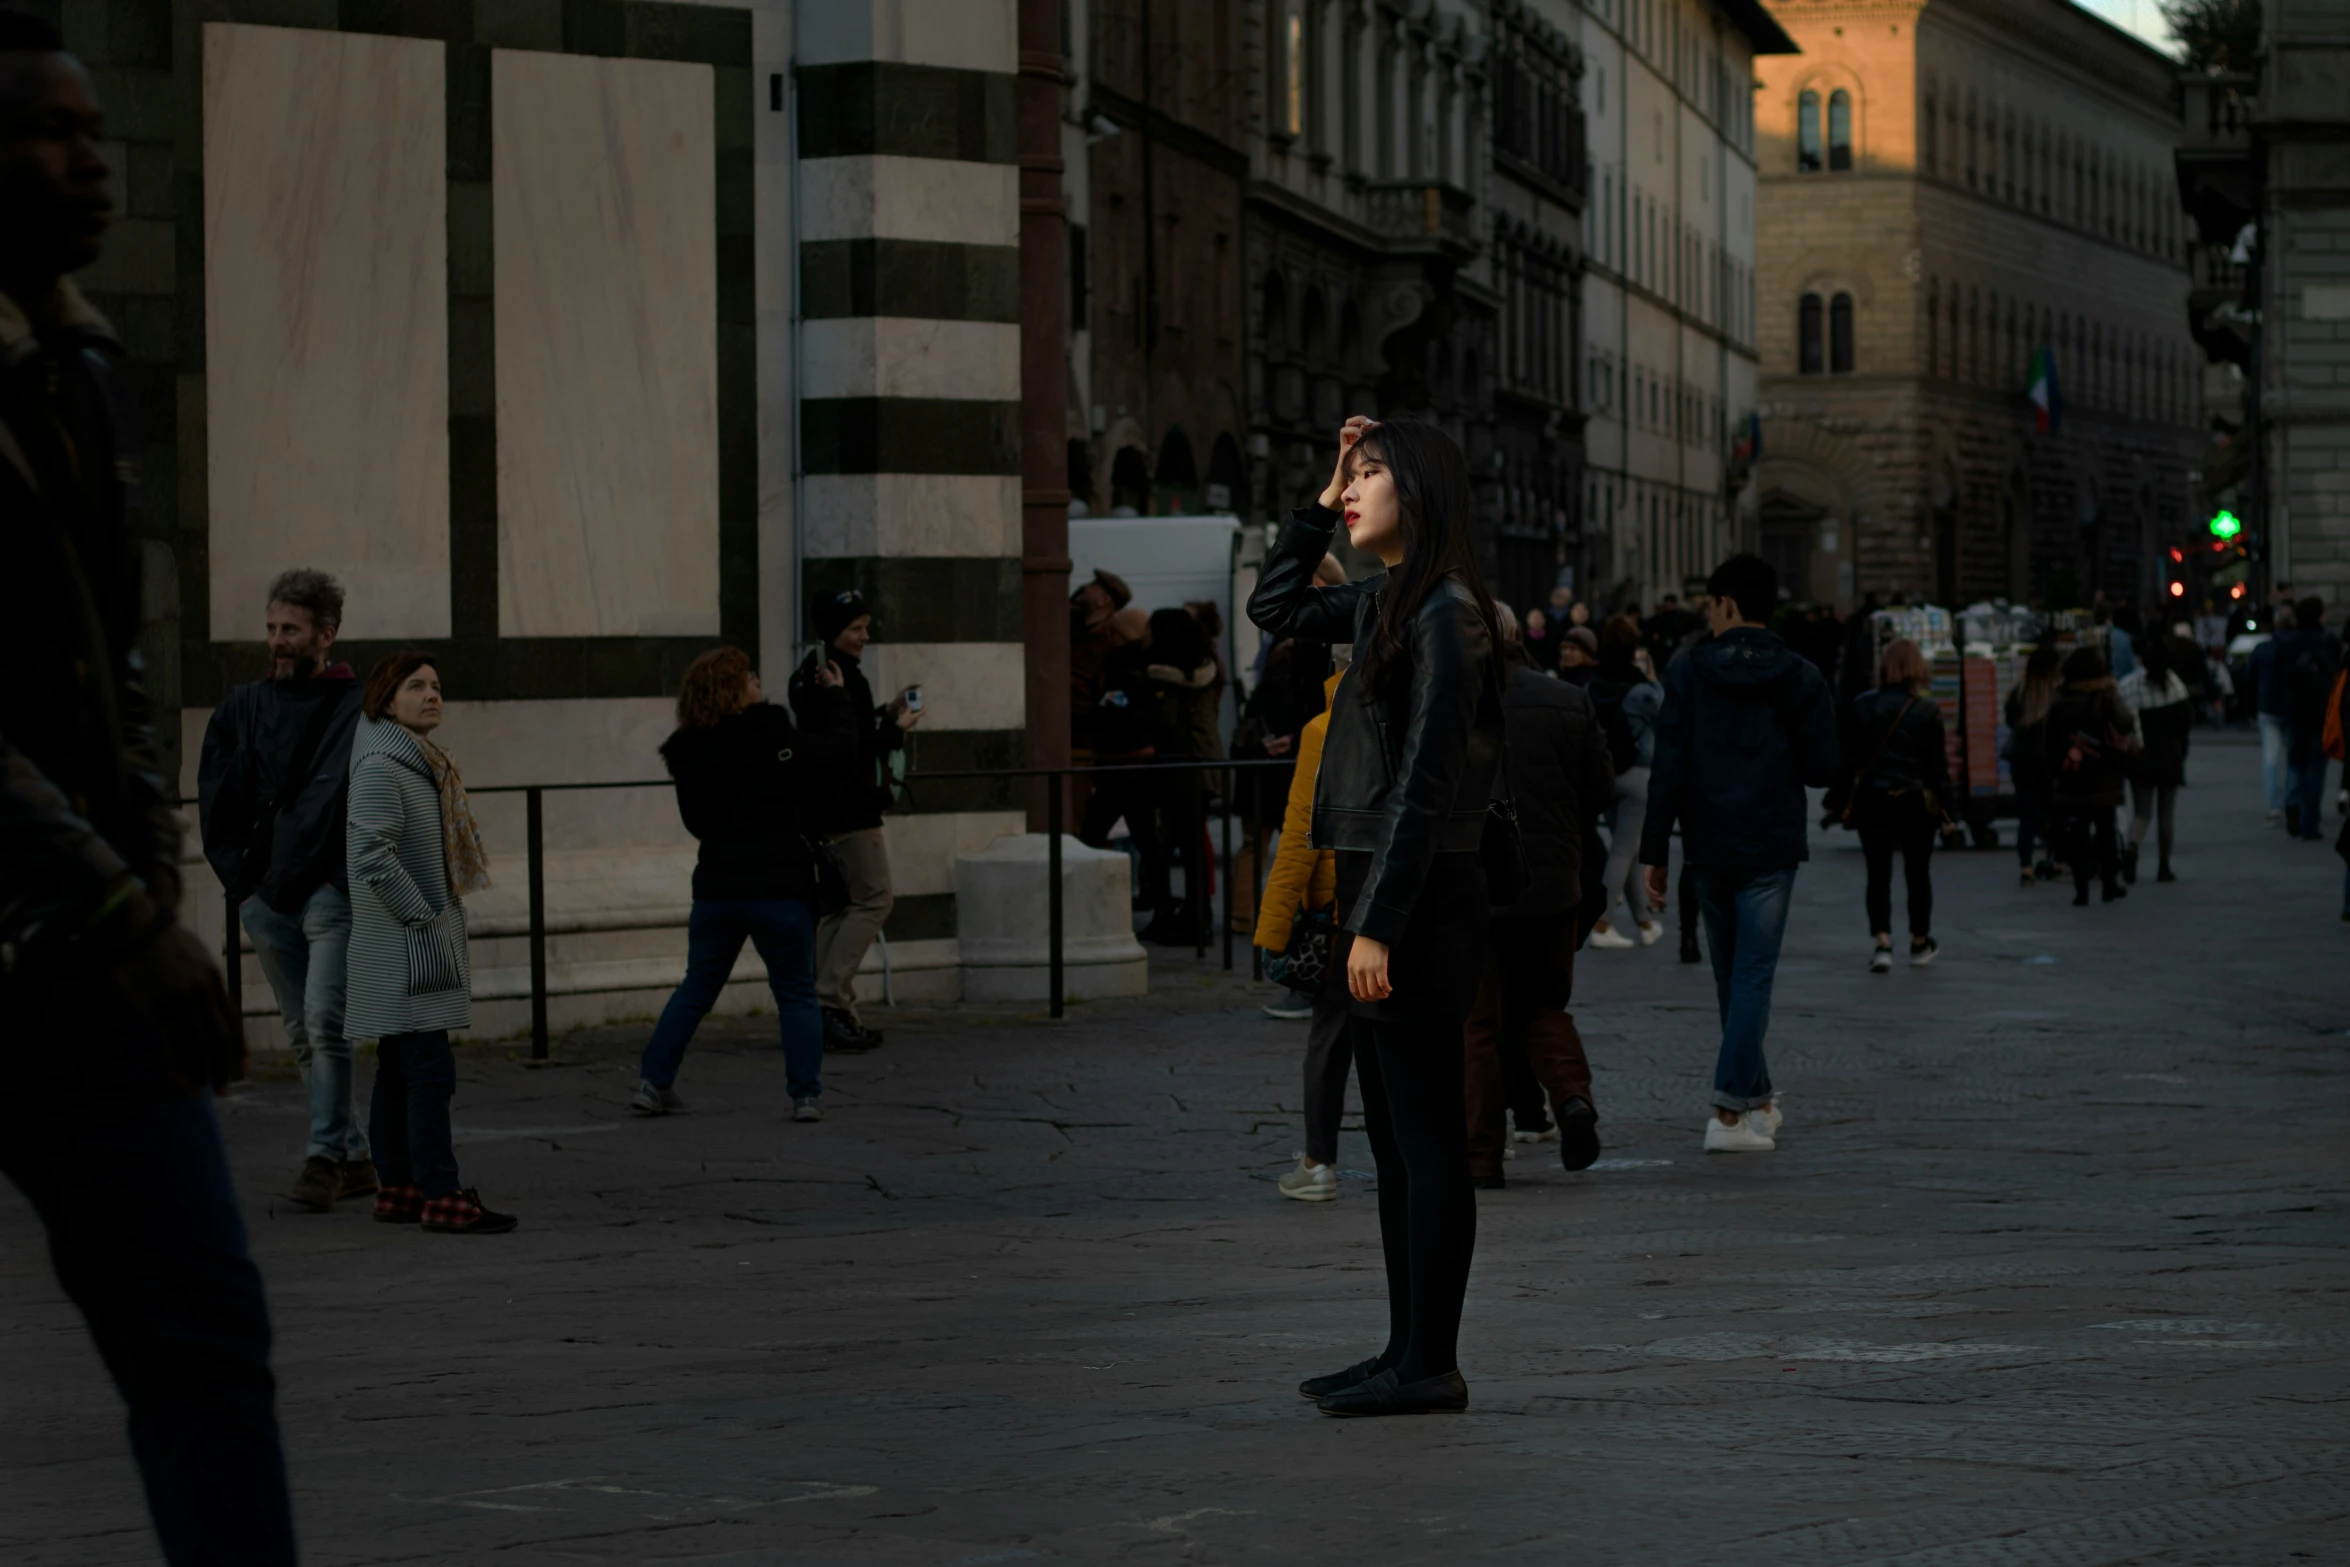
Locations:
(1002, 922)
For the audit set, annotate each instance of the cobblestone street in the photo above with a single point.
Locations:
(2049, 1268)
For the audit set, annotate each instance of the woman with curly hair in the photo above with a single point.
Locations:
(743, 770)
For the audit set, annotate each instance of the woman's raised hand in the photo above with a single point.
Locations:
(1348, 434)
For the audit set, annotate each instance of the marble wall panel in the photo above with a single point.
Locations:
(896, 356)
(910, 198)
(965, 685)
(922, 848)
(326, 323)
(604, 197)
(970, 35)
(908, 514)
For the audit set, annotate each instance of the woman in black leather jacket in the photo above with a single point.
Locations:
(1415, 741)
(1898, 797)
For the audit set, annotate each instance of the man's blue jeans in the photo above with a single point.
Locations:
(2276, 768)
(147, 1239)
(303, 957)
(1745, 919)
(784, 932)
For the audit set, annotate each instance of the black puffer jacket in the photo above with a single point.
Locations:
(1559, 776)
(742, 789)
(1903, 731)
(1406, 772)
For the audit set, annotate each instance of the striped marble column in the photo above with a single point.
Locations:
(910, 440)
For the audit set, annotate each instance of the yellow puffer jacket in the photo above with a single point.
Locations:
(1302, 877)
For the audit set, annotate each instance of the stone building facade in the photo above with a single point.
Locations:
(1157, 274)
(1669, 360)
(1947, 190)
(1535, 200)
(571, 370)
(1367, 256)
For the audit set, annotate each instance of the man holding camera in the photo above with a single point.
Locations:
(846, 818)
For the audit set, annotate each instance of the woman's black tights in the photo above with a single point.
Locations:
(1414, 1115)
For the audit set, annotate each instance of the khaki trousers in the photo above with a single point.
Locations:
(843, 939)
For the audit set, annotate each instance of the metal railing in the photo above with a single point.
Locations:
(534, 820)
(535, 852)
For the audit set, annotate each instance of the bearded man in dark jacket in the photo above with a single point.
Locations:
(1746, 725)
(114, 1019)
(1559, 778)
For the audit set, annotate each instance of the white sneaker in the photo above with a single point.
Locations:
(1611, 938)
(1310, 1182)
(1772, 1120)
(1919, 957)
(1549, 1134)
(1881, 961)
(1295, 1010)
(2275, 817)
(1650, 930)
(1744, 1135)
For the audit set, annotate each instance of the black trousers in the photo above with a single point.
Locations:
(1134, 796)
(1416, 1117)
(1885, 832)
(1330, 1051)
(2087, 830)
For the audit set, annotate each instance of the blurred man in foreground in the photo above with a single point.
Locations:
(115, 1026)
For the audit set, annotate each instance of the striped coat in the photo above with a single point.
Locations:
(408, 969)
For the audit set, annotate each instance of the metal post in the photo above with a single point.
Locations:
(1054, 783)
(232, 963)
(536, 801)
(1231, 866)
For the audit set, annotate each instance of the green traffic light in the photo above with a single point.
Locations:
(2225, 526)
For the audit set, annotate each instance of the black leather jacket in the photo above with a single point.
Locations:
(1897, 743)
(1406, 773)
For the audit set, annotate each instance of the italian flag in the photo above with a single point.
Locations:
(2047, 399)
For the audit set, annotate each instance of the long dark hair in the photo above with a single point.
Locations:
(1431, 481)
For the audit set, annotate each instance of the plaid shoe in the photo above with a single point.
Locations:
(399, 1204)
(461, 1213)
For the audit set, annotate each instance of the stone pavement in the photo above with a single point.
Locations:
(2049, 1268)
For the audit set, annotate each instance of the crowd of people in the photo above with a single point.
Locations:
(1438, 858)
(1439, 861)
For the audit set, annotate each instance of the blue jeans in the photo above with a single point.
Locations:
(2308, 768)
(1745, 920)
(148, 1241)
(302, 956)
(415, 1077)
(784, 932)
(2276, 768)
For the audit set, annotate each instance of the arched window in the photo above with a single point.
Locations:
(1971, 141)
(1809, 358)
(1839, 130)
(1933, 326)
(1932, 125)
(1807, 133)
(1840, 335)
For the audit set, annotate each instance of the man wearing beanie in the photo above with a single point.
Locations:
(847, 816)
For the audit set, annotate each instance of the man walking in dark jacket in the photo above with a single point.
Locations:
(271, 790)
(847, 815)
(115, 1026)
(1746, 725)
(1559, 776)
(2300, 682)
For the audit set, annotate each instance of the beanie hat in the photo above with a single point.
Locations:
(832, 612)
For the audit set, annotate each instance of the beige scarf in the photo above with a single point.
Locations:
(468, 866)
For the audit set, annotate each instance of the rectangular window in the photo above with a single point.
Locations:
(1294, 90)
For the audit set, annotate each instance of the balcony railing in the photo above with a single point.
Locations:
(1423, 211)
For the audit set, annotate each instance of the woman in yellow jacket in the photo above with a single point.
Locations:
(1303, 877)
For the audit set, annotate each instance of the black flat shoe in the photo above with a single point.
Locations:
(1339, 1381)
(1383, 1395)
(1578, 1135)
